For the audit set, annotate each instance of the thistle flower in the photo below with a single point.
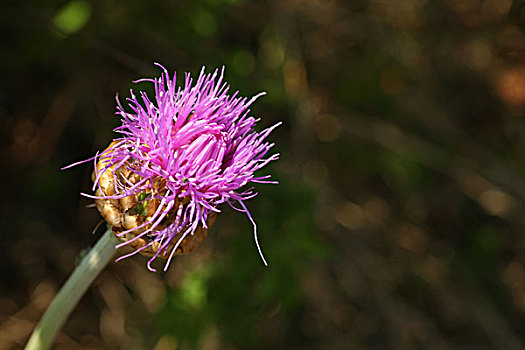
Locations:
(181, 155)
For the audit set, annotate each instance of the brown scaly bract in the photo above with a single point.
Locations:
(131, 212)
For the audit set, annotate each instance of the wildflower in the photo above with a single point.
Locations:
(180, 156)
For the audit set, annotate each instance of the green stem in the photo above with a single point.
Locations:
(67, 298)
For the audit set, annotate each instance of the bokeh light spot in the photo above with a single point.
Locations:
(205, 23)
(72, 17)
(243, 62)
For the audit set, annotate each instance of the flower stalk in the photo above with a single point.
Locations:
(74, 288)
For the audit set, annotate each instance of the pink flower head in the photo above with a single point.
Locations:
(199, 142)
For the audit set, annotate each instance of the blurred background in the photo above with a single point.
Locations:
(399, 219)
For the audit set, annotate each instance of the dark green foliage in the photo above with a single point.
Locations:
(234, 294)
